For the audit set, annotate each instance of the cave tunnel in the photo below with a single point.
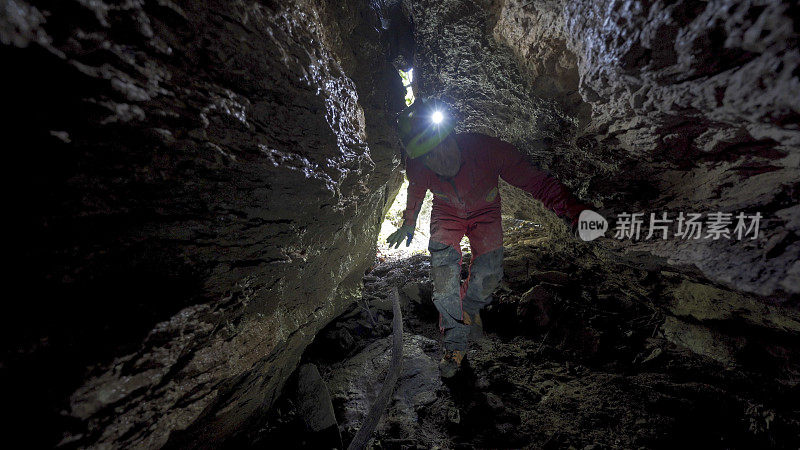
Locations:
(200, 197)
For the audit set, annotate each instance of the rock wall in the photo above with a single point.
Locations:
(690, 106)
(198, 188)
(649, 107)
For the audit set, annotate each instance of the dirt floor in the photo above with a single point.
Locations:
(571, 357)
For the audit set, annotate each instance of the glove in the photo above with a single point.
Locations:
(572, 225)
(571, 219)
(404, 232)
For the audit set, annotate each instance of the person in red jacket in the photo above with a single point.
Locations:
(461, 170)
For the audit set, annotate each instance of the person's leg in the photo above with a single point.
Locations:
(446, 277)
(485, 274)
(485, 235)
(446, 234)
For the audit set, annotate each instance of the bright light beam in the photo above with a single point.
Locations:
(437, 117)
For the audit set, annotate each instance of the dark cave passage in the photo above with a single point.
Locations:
(197, 189)
(577, 353)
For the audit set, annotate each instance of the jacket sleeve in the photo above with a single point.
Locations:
(417, 187)
(517, 171)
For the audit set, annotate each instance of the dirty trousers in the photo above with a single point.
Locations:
(451, 297)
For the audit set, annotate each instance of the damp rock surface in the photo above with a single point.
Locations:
(201, 184)
(617, 365)
(195, 190)
(353, 386)
(651, 107)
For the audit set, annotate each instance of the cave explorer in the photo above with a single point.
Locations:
(461, 170)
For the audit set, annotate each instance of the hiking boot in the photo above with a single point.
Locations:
(475, 325)
(450, 364)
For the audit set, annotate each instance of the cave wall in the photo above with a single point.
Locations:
(697, 105)
(198, 190)
(690, 106)
(648, 107)
(196, 187)
(458, 60)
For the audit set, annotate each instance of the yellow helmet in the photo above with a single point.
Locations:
(424, 125)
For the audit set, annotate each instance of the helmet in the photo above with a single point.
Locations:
(424, 125)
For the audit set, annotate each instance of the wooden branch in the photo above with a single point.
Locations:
(364, 433)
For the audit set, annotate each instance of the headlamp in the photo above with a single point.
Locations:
(424, 125)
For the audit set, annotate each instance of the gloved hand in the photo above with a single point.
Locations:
(572, 225)
(571, 219)
(404, 232)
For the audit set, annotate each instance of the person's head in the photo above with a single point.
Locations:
(426, 129)
(444, 159)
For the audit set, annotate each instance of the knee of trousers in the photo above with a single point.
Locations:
(446, 293)
(488, 267)
(486, 273)
(443, 254)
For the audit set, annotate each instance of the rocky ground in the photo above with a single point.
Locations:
(568, 360)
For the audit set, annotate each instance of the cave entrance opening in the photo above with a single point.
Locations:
(408, 83)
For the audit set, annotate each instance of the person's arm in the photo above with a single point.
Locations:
(417, 187)
(517, 171)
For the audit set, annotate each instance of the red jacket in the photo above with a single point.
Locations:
(474, 190)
